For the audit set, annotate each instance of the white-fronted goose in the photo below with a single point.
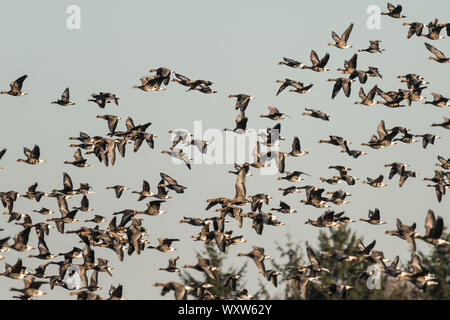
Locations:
(445, 164)
(203, 265)
(325, 220)
(44, 211)
(102, 98)
(152, 83)
(373, 72)
(374, 218)
(65, 99)
(180, 290)
(394, 11)
(163, 74)
(31, 287)
(241, 124)
(84, 206)
(438, 100)
(341, 42)
(112, 121)
(439, 56)
(445, 124)
(433, 230)
(164, 245)
(404, 232)
(349, 65)
(284, 208)
(396, 168)
(172, 183)
(427, 138)
(274, 114)
(296, 150)
(32, 155)
(79, 160)
(292, 189)
(315, 113)
(293, 176)
(318, 65)
(172, 265)
(368, 99)
(338, 197)
(16, 87)
(414, 28)
(258, 257)
(118, 189)
(341, 83)
(291, 63)
(376, 182)
(242, 101)
(178, 154)
(374, 47)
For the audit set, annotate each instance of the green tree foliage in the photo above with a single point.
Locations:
(216, 259)
(293, 255)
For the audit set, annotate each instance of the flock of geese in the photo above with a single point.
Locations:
(125, 231)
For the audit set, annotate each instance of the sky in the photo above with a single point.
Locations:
(237, 45)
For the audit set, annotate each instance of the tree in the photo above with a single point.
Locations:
(216, 259)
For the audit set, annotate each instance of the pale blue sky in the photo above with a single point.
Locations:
(237, 45)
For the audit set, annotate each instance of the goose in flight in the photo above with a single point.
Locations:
(16, 87)
(118, 189)
(341, 42)
(445, 164)
(152, 83)
(427, 138)
(318, 65)
(445, 124)
(315, 113)
(203, 265)
(31, 287)
(368, 99)
(172, 184)
(242, 101)
(349, 65)
(374, 217)
(394, 11)
(404, 232)
(274, 114)
(415, 28)
(439, 56)
(172, 265)
(65, 99)
(396, 168)
(180, 290)
(296, 150)
(377, 182)
(374, 47)
(291, 63)
(164, 245)
(438, 100)
(32, 155)
(284, 208)
(241, 124)
(178, 154)
(163, 74)
(341, 83)
(392, 101)
(258, 257)
(325, 220)
(79, 160)
(433, 230)
(102, 98)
